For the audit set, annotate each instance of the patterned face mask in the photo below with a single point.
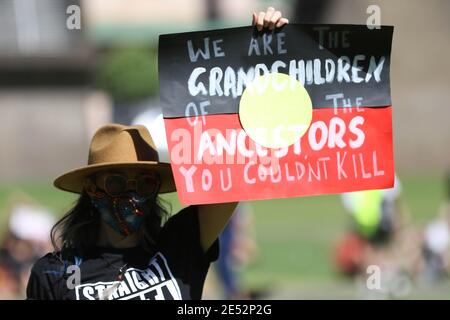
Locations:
(123, 213)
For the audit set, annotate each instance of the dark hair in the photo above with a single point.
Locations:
(77, 230)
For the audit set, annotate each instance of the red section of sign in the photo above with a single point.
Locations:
(344, 150)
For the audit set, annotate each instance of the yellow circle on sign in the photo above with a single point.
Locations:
(275, 110)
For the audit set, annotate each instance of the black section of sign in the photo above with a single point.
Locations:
(360, 58)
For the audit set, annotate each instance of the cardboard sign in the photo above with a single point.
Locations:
(305, 110)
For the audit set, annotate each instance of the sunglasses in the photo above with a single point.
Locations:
(146, 185)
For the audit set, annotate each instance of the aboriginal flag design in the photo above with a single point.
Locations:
(346, 145)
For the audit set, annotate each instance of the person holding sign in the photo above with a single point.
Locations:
(111, 244)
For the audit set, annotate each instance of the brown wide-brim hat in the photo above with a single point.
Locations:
(116, 146)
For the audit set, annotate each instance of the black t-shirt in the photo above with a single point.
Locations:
(175, 270)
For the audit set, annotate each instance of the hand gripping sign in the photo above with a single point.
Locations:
(305, 110)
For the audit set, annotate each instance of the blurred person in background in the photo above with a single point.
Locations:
(238, 249)
(375, 217)
(26, 239)
(376, 214)
(436, 244)
(381, 235)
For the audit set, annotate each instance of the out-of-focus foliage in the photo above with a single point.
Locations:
(128, 74)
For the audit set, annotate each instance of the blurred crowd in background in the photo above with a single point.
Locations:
(71, 81)
(382, 235)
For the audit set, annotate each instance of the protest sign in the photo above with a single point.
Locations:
(304, 110)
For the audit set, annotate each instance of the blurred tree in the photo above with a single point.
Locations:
(128, 74)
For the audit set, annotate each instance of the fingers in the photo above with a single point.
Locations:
(274, 19)
(281, 22)
(268, 16)
(260, 21)
(270, 19)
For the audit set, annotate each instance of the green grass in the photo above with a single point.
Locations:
(294, 236)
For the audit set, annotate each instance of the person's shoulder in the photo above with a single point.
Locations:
(50, 261)
(45, 277)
